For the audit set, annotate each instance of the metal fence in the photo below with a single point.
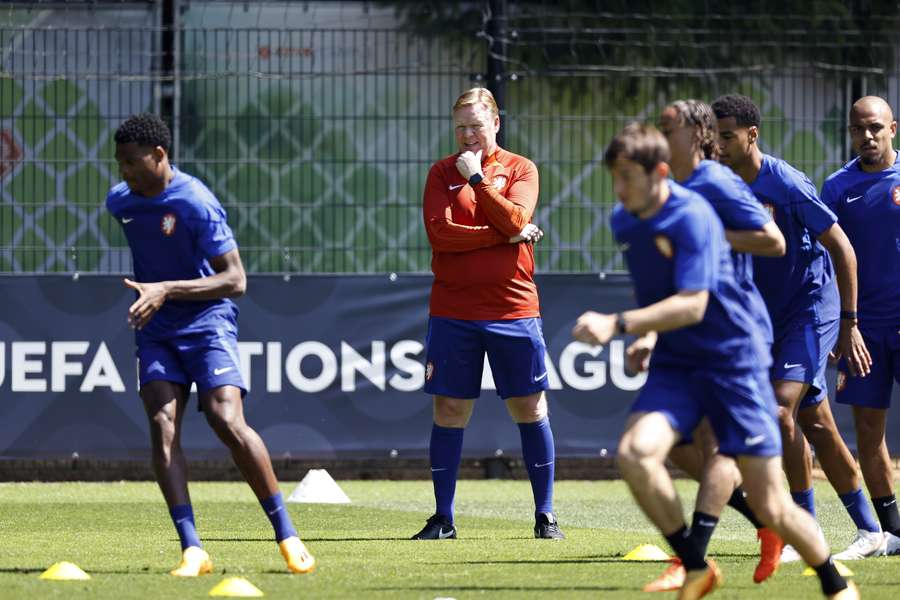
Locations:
(315, 122)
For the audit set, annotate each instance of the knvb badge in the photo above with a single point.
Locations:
(167, 225)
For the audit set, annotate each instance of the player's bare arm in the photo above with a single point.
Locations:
(637, 355)
(768, 241)
(679, 310)
(850, 341)
(230, 281)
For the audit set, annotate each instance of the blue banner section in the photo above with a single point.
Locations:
(334, 367)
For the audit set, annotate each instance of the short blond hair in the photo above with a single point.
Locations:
(477, 95)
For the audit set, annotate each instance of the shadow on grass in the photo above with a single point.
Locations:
(222, 539)
(88, 570)
(23, 570)
(559, 561)
(500, 588)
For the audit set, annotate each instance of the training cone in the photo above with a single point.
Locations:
(64, 571)
(236, 586)
(317, 487)
(647, 552)
(843, 569)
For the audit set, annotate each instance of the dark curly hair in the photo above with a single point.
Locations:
(145, 129)
(699, 114)
(742, 108)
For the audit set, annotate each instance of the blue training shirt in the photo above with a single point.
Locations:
(867, 206)
(172, 237)
(682, 247)
(739, 210)
(799, 285)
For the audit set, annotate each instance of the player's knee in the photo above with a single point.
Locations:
(768, 507)
(226, 424)
(162, 426)
(868, 443)
(528, 411)
(634, 456)
(818, 434)
(869, 431)
(786, 420)
(451, 413)
(722, 470)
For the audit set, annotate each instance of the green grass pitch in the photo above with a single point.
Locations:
(120, 533)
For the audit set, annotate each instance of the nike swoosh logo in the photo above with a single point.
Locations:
(706, 523)
(790, 366)
(222, 370)
(455, 187)
(433, 470)
(547, 464)
(275, 511)
(886, 504)
(536, 379)
(442, 535)
(624, 247)
(854, 199)
(756, 439)
(127, 221)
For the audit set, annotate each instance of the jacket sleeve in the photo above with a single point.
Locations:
(443, 233)
(511, 213)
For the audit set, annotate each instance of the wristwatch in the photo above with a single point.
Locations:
(620, 324)
(849, 315)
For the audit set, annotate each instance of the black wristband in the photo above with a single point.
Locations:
(850, 315)
(620, 324)
(475, 179)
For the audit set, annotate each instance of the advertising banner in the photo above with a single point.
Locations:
(334, 365)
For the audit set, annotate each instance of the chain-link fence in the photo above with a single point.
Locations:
(315, 122)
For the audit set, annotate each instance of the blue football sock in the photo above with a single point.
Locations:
(539, 455)
(805, 499)
(183, 517)
(858, 508)
(445, 452)
(279, 517)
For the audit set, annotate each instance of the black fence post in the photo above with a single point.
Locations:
(496, 61)
(167, 71)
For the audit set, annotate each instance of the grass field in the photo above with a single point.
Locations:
(120, 533)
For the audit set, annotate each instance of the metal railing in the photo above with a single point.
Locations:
(315, 123)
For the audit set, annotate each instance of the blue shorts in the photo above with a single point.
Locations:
(740, 406)
(873, 390)
(209, 358)
(800, 353)
(455, 349)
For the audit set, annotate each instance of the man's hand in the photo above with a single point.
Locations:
(637, 355)
(851, 346)
(530, 233)
(469, 163)
(594, 328)
(152, 296)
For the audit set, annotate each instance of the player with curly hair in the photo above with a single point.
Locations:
(186, 269)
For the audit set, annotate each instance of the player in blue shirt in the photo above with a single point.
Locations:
(705, 362)
(865, 196)
(803, 301)
(690, 129)
(186, 267)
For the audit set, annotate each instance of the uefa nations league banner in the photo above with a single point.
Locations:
(334, 366)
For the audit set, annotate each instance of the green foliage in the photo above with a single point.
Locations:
(624, 38)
